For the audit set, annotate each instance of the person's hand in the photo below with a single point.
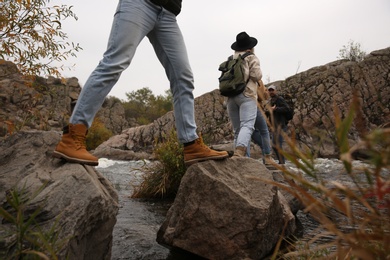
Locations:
(273, 107)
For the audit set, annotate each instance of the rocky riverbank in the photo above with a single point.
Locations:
(134, 235)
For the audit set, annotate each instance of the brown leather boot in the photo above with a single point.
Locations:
(268, 159)
(72, 146)
(198, 152)
(239, 151)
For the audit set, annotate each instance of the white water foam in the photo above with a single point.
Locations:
(104, 162)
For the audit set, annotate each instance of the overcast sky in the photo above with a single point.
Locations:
(293, 35)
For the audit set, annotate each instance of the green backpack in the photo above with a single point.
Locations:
(232, 80)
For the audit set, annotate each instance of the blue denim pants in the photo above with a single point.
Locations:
(261, 135)
(133, 20)
(277, 142)
(242, 112)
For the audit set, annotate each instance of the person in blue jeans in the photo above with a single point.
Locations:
(133, 21)
(261, 135)
(242, 108)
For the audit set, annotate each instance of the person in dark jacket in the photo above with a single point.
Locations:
(133, 21)
(278, 109)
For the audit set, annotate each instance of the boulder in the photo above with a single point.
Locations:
(81, 202)
(226, 210)
(118, 147)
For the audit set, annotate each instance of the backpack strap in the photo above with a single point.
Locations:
(246, 54)
(243, 56)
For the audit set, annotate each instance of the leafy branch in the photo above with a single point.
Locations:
(32, 37)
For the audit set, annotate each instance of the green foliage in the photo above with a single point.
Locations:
(97, 134)
(352, 51)
(146, 107)
(365, 204)
(31, 35)
(26, 239)
(162, 179)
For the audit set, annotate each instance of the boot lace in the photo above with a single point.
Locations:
(202, 144)
(79, 140)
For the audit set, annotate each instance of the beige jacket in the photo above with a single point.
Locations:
(252, 68)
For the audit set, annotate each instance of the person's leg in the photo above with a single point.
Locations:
(234, 115)
(132, 21)
(248, 148)
(168, 43)
(277, 142)
(280, 144)
(247, 117)
(262, 129)
(256, 137)
(170, 49)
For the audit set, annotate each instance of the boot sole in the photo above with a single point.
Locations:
(74, 160)
(193, 161)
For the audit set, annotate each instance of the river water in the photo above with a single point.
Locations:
(134, 235)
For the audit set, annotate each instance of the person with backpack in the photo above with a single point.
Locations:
(242, 107)
(133, 21)
(278, 113)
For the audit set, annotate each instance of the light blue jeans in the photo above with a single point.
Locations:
(242, 113)
(261, 135)
(133, 20)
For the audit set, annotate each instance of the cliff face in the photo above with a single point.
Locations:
(322, 91)
(45, 104)
(318, 94)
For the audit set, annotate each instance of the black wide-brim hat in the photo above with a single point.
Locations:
(244, 42)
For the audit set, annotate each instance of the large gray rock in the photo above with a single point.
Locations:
(45, 104)
(125, 145)
(322, 91)
(224, 210)
(83, 202)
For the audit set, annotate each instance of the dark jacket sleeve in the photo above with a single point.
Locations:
(280, 111)
(281, 106)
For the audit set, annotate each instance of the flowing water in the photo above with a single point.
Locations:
(134, 235)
